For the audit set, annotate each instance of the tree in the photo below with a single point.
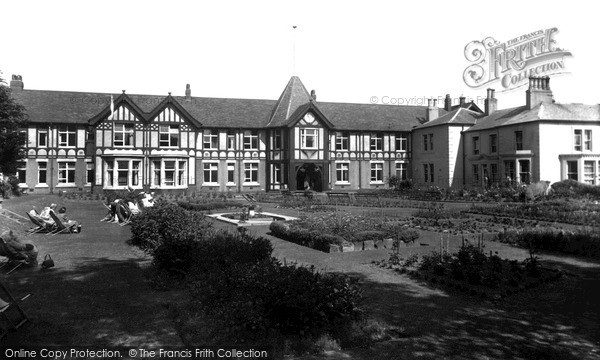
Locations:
(13, 119)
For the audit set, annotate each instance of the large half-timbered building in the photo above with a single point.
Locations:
(100, 142)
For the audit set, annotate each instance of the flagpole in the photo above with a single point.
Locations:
(294, 50)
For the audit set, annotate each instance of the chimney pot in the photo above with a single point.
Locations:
(313, 95)
(461, 100)
(16, 83)
(447, 103)
(432, 112)
(491, 103)
(188, 92)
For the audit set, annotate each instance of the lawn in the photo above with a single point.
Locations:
(97, 295)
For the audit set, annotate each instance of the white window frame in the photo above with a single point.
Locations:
(571, 173)
(212, 169)
(589, 177)
(210, 137)
(180, 180)
(22, 167)
(377, 167)
(40, 132)
(230, 170)
(126, 131)
(45, 169)
(587, 140)
(475, 145)
(251, 140)
(250, 168)
(66, 166)
(276, 174)
(111, 175)
(401, 170)
(376, 142)
(342, 141)
(342, 167)
(304, 136)
(173, 135)
(231, 140)
(401, 142)
(71, 136)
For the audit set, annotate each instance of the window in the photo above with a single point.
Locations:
(577, 140)
(168, 173)
(342, 141)
(66, 172)
(66, 136)
(119, 173)
(42, 138)
(230, 140)
(168, 135)
(401, 142)
(589, 172)
(342, 172)
(587, 140)
(251, 172)
(277, 140)
(376, 172)
(494, 172)
(123, 135)
(308, 138)
(493, 144)
(211, 139)
(376, 142)
(572, 170)
(89, 173)
(276, 174)
(22, 172)
(524, 171)
(475, 174)
(42, 172)
(475, 145)
(231, 173)
(251, 140)
(518, 140)
(428, 173)
(401, 169)
(211, 173)
(428, 142)
(509, 170)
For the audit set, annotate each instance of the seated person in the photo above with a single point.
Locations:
(45, 214)
(133, 207)
(15, 250)
(75, 227)
(147, 199)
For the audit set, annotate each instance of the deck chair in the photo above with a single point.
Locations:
(14, 259)
(12, 316)
(124, 213)
(41, 225)
(60, 226)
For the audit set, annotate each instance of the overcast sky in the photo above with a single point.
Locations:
(347, 51)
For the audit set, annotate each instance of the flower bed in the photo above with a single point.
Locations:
(473, 272)
(344, 231)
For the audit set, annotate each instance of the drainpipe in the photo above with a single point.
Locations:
(464, 157)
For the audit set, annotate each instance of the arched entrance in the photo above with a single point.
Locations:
(309, 176)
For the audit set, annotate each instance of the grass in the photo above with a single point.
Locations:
(97, 295)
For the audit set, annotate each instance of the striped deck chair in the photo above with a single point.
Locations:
(60, 226)
(41, 225)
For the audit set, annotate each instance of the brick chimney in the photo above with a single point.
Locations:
(448, 103)
(16, 84)
(461, 101)
(188, 92)
(538, 92)
(432, 110)
(313, 95)
(491, 103)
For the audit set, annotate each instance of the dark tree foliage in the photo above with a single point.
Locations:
(12, 119)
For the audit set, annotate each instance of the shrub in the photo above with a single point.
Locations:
(572, 188)
(166, 222)
(209, 206)
(252, 302)
(580, 242)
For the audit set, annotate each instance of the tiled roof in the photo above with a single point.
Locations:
(80, 108)
(542, 112)
(367, 117)
(460, 116)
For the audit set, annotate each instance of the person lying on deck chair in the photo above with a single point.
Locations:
(73, 224)
(14, 250)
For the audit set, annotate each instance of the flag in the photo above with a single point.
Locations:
(112, 108)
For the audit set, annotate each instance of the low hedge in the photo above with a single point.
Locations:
(210, 205)
(585, 243)
(309, 238)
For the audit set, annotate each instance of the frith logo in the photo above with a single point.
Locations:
(511, 63)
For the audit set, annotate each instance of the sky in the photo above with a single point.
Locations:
(358, 52)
